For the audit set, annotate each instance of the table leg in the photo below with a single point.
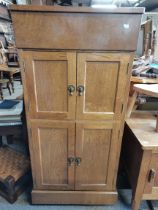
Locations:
(135, 204)
(157, 124)
(1, 92)
(8, 88)
(150, 205)
(11, 81)
(1, 142)
(131, 103)
(10, 139)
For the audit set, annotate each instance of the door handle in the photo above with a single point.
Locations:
(78, 161)
(151, 176)
(80, 90)
(70, 160)
(71, 89)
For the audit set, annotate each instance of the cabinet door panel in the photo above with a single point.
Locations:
(47, 76)
(93, 146)
(104, 77)
(51, 145)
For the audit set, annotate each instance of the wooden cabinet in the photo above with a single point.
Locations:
(76, 81)
(140, 157)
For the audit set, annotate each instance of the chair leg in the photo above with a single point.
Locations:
(11, 81)
(1, 92)
(10, 139)
(10, 184)
(150, 205)
(1, 143)
(8, 87)
(157, 124)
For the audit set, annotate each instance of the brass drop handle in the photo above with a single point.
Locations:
(151, 176)
(80, 90)
(70, 160)
(78, 161)
(71, 89)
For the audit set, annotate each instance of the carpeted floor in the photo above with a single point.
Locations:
(18, 91)
(23, 204)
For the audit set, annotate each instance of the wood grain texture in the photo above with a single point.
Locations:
(86, 31)
(101, 74)
(151, 196)
(143, 128)
(74, 197)
(93, 142)
(48, 75)
(53, 143)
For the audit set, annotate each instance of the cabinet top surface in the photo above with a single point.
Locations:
(44, 8)
(143, 127)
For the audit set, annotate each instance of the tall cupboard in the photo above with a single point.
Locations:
(76, 65)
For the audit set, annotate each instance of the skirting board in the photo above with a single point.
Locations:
(73, 197)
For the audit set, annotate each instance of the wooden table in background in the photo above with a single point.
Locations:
(140, 157)
(144, 80)
(11, 71)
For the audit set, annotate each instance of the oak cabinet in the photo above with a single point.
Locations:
(76, 65)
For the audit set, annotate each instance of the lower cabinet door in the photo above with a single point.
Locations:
(51, 147)
(95, 155)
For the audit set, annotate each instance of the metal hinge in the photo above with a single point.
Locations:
(122, 108)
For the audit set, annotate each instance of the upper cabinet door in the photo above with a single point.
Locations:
(101, 84)
(50, 79)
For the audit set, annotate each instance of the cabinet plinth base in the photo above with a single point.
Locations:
(73, 197)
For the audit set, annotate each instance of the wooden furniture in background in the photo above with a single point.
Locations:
(14, 173)
(149, 90)
(10, 71)
(143, 80)
(2, 83)
(75, 95)
(140, 157)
